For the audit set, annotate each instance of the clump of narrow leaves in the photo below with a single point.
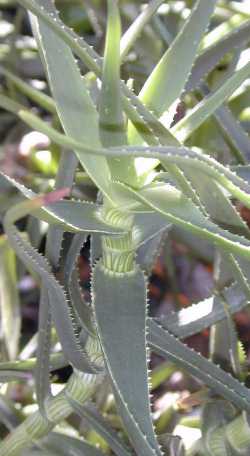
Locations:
(155, 175)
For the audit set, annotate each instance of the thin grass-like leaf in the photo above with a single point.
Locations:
(235, 133)
(64, 446)
(208, 106)
(35, 95)
(212, 54)
(9, 299)
(136, 28)
(95, 419)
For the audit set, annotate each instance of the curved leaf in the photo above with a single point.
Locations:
(61, 309)
(180, 211)
(168, 346)
(217, 204)
(71, 279)
(195, 318)
(73, 216)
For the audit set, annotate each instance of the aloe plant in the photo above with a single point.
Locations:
(151, 179)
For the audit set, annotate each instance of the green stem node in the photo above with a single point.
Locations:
(238, 432)
(80, 387)
(118, 252)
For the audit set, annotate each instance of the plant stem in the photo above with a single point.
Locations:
(80, 387)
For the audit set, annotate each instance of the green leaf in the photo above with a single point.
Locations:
(72, 216)
(65, 445)
(136, 28)
(168, 201)
(9, 299)
(147, 253)
(149, 231)
(223, 339)
(120, 309)
(35, 95)
(167, 80)
(203, 250)
(74, 105)
(211, 55)
(27, 366)
(217, 204)
(10, 416)
(95, 249)
(65, 177)
(181, 156)
(234, 132)
(42, 377)
(224, 345)
(208, 105)
(240, 269)
(61, 309)
(178, 175)
(161, 374)
(242, 171)
(72, 285)
(216, 414)
(82, 216)
(223, 29)
(190, 157)
(147, 226)
(145, 122)
(111, 120)
(195, 318)
(168, 346)
(96, 420)
(24, 370)
(37, 452)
